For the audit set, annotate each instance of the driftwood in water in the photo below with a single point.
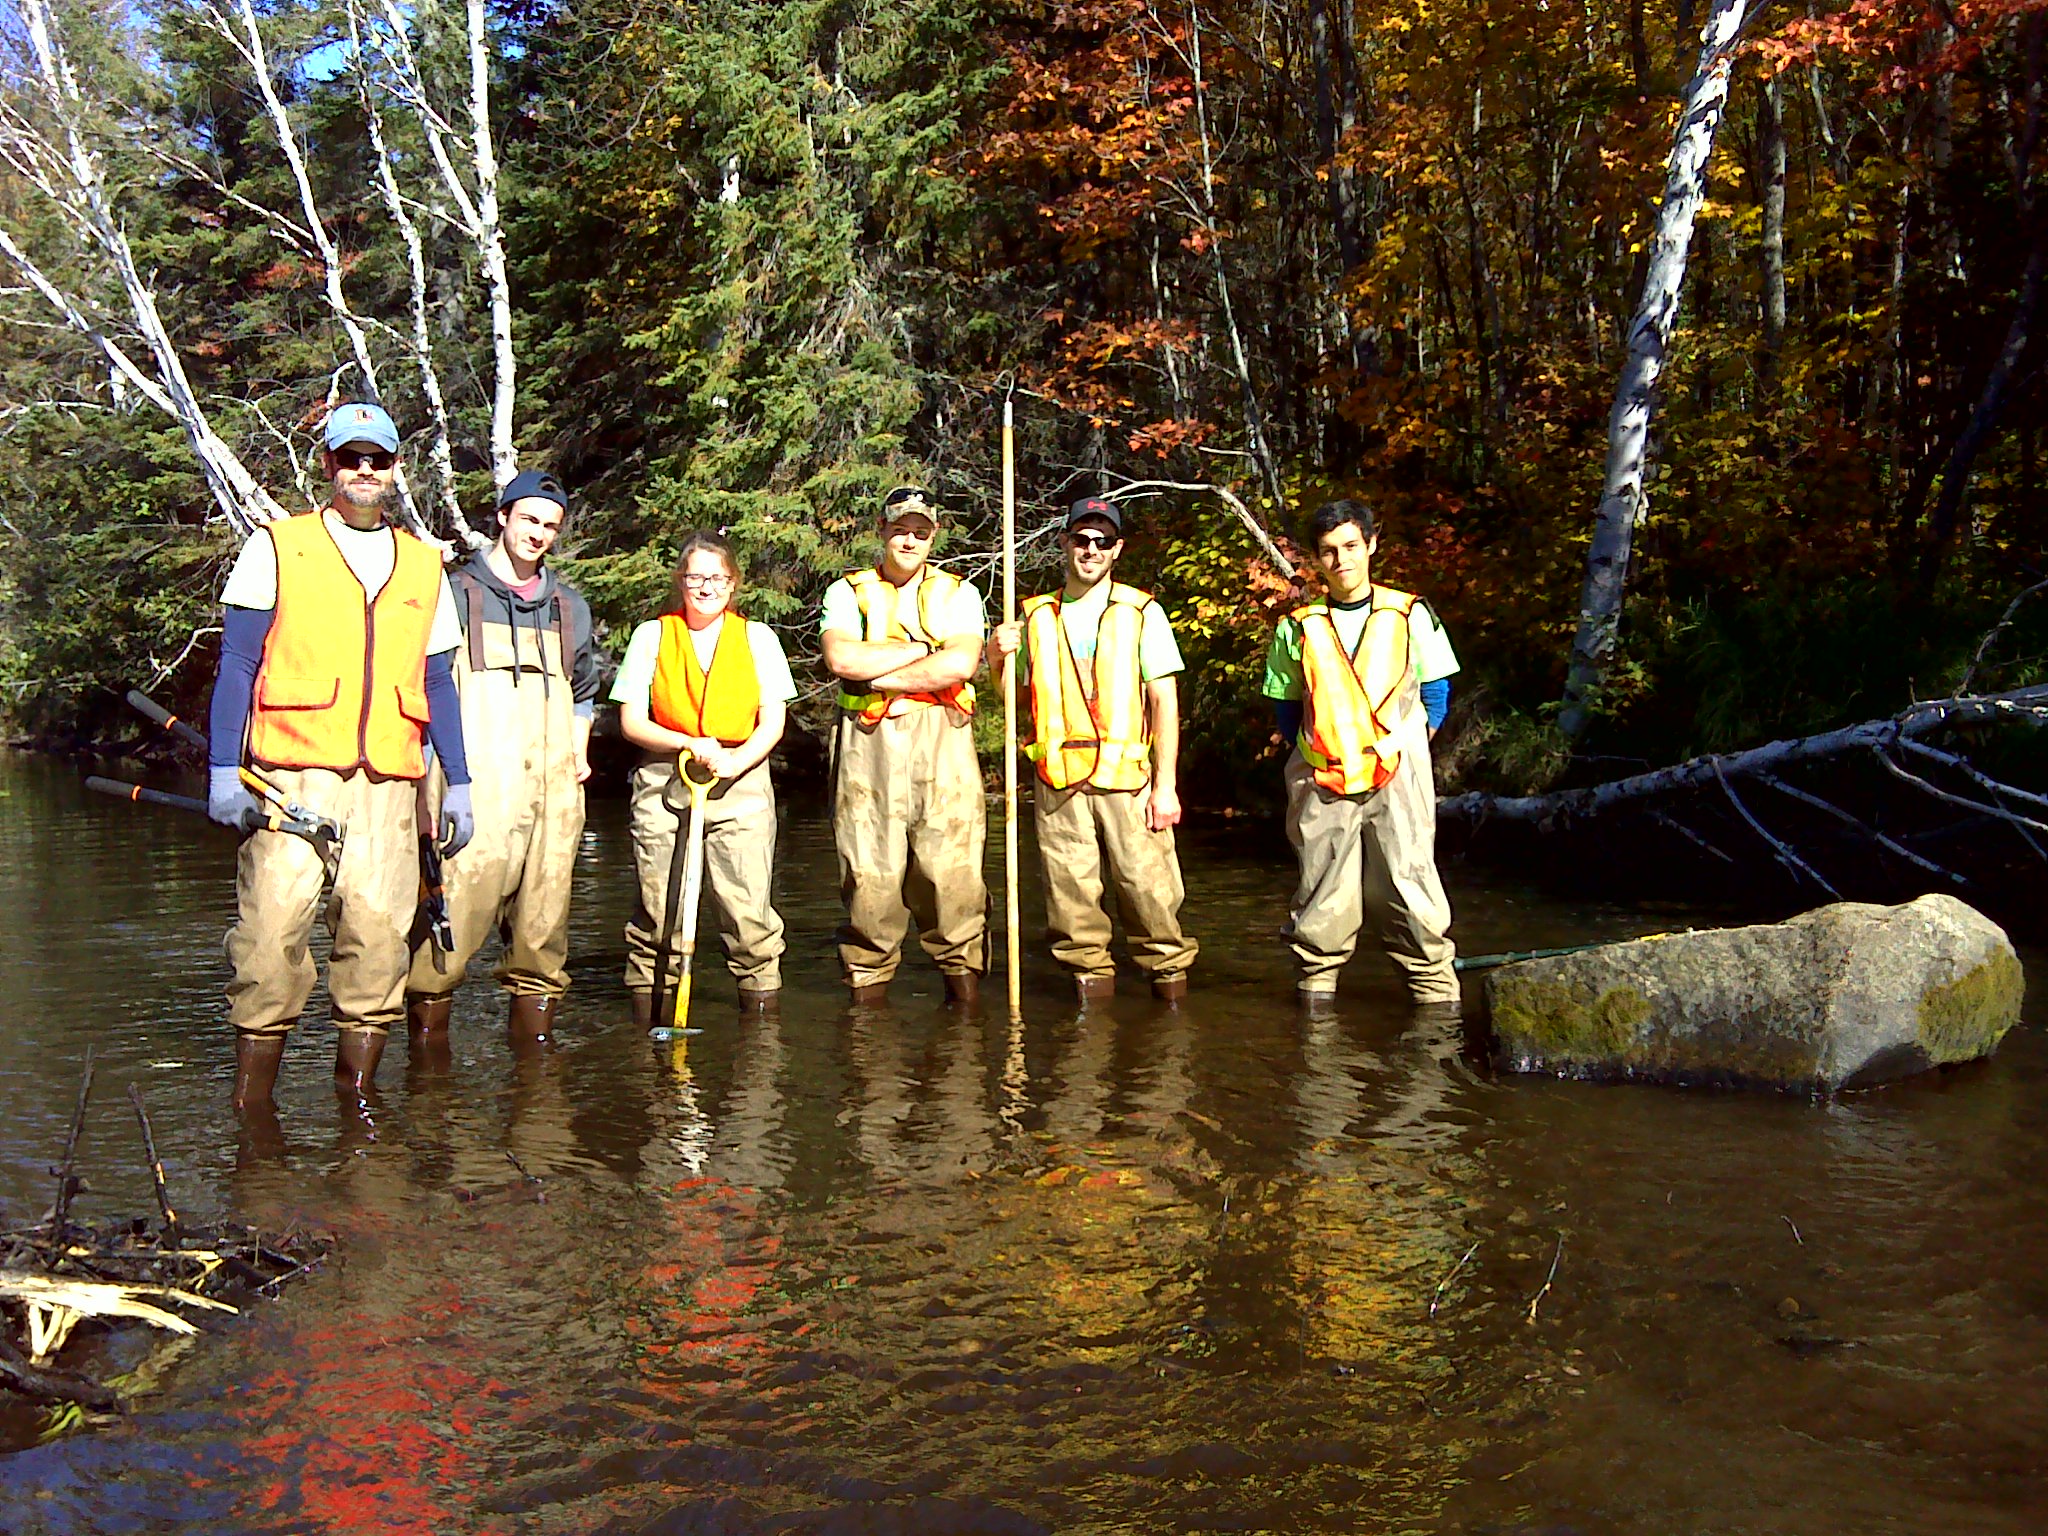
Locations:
(1941, 779)
(61, 1272)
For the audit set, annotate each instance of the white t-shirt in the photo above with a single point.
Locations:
(1081, 618)
(371, 553)
(635, 681)
(965, 614)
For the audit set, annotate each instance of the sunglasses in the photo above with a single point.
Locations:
(1088, 538)
(377, 459)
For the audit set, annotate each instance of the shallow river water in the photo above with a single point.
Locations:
(1129, 1269)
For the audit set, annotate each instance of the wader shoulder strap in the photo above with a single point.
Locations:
(562, 628)
(473, 593)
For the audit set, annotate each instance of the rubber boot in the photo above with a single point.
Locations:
(755, 1001)
(643, 1009)
(963, 988)
(427, 1017)
(356, 1054)
(529, 1022)
(256, 1061)
(871, 993)
(1091, 989)
(1316, 1002)
(427, 1049)
(1170, 989)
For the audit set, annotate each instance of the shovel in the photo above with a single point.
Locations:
(685, 890)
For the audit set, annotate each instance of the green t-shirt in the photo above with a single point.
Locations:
(1081, 617)
(1428, 644)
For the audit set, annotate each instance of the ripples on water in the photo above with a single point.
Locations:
(896, 1270)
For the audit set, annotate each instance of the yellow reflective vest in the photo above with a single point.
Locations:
(1357, 704)
(877, 596)
(1096, 734)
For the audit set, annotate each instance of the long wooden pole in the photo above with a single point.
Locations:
(1011, 924)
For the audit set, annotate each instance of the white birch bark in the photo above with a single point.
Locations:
(67, 174)
(1623, 497)
(490, 243)
(440, 448)
(2027, 706)
(247, 41)
(475, 212)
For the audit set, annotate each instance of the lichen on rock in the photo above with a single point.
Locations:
(1841, 996)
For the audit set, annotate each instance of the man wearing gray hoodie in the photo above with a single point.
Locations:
(528, 678)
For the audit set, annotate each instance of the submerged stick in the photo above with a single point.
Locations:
(61, 1212)
(156, 1169)
(1437, 1300)
(534, 1181)
(1545, 1290)
(50, 1386)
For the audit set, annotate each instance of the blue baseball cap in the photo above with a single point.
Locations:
(360, 422)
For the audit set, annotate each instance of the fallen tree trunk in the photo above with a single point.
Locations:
(1883, 737)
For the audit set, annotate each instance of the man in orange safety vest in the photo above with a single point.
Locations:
(337, 652)
(908, 819)
(1360, 683)
(1101, 664)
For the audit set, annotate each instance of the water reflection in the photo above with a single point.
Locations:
(1122, 1268)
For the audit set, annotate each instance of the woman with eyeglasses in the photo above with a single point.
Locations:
(702, 682)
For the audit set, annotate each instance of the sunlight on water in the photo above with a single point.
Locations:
(896, 1269)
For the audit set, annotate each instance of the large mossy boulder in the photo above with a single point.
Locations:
(1840, 997)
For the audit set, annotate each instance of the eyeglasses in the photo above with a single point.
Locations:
(707, 583)
(1088, 538)
(350, 458)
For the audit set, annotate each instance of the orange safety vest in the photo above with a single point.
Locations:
(1082, 734)
(724, 703)
(343, 682)
(878, 597)
(1357, 704)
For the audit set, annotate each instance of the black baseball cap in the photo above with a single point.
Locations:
(1096, 506)
(533, 482)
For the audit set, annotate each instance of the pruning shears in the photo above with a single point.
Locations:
(277, 811)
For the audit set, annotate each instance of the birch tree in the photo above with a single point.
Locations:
(58, 139)
(1623, 494)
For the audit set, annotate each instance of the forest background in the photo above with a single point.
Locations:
(765, 260)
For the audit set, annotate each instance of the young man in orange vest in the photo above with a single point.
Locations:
(701, 682)
(1360, 684)
(1100, 660)
(905, 640)
(527, 673)
(337, 649)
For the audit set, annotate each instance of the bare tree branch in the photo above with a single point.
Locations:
(1992, 634)
(1230, 499)
(1889, 844)
(440, 452)
(2024, 704)
(1786, 856)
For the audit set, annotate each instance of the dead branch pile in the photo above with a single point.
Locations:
(61, 1273)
